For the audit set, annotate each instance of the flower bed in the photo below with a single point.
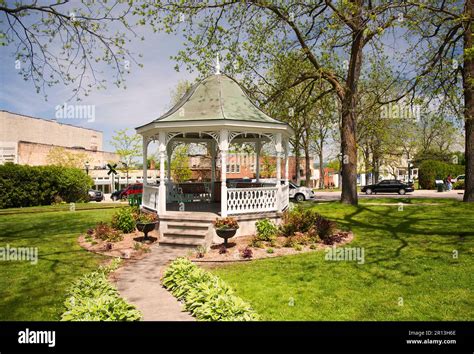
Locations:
(302, 230)
(120, 239)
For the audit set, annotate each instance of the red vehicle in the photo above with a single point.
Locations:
(136, 188)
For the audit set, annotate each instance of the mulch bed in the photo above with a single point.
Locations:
(237, 244)
(126, 249)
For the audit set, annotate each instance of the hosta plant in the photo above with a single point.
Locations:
(205, 296)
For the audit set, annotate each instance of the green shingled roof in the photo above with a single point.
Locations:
(215, 98)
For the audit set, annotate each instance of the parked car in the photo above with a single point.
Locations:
(117, 195)
(136, 188)
(300, 194)
(96, 196)
(388, 186)
(459, 178)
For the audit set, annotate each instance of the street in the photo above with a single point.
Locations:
(422, 193)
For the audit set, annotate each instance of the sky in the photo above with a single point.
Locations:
(146, 97)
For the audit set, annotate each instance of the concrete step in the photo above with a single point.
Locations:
(198, 226)
(185, 233)
(182, 242)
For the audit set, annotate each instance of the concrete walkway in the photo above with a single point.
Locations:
(139, 283)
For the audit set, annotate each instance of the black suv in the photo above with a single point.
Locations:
(94, 195)
(388, 186)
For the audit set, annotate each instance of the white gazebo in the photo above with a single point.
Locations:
(217, 112)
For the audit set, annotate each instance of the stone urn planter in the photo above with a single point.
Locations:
(145, 223)
(226, 228)
(146, 227)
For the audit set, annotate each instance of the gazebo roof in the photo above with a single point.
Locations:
(216, 98)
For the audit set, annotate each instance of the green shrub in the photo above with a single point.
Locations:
(206, 296)
(270, 250)
(304, 226)
(106, 232)
(298, 220)
(256, 243)
(298, 239)
(124, 219)
(458, 185)
(24, 186)
(93, 298)
(325, 228)
(266, 230)
(431, 170)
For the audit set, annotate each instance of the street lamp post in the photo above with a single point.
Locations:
(87, 167)
(126, 168)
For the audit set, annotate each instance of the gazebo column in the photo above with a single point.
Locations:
(258, 148)
(278, 148)
(162, 188)
(223, 148)
(168, 154)
(212, 148)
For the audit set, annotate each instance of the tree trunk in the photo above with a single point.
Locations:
(307, 167)
(349, 123)
(297, 163)
(321, 167)
(468, 76)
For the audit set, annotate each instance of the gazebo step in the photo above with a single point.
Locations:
(187, 234)
(201, 226)
(182, 242)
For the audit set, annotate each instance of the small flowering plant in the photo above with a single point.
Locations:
(145, 218)
(227, 223)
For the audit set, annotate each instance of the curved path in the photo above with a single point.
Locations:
(139, 283)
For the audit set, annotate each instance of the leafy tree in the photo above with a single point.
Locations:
(182, 87)
(69, 42)
(61, 157)
(128, 147)
(442, 48)
(324, 124)
(180, 170)
(268, 167)
(253, 33)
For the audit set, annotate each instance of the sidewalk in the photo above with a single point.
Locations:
(139, 283)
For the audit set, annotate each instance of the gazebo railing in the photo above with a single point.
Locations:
(251, 200)
(150, 197)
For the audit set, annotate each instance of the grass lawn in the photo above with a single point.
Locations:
(36, 292)
(59, 207)
(409, 271)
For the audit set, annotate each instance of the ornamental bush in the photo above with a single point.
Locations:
(299, 221)
(24, 186)
(431, 170)
(266, 230)
(124, 219)
(206, 296)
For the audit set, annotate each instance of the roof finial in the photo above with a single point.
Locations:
(218, 65)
